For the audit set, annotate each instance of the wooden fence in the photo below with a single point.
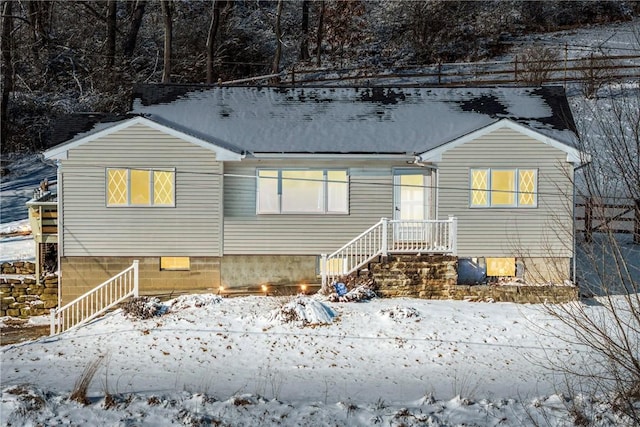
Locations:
(592, 70)
(594, 216)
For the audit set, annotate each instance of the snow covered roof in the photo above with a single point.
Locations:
(380, 120)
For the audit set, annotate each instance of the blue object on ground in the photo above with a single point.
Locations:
(341, 289)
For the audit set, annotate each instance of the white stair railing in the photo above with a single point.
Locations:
(356, 253)
(391, 236)
(97, 301)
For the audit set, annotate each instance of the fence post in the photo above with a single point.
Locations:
(439, 72)
(515, 69)
(588, 217)
(636, 223)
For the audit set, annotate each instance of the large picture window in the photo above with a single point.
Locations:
(303, 191)
(140, 187)
(503, 188)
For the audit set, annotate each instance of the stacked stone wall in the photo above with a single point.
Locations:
(435, 277)
(21, 296)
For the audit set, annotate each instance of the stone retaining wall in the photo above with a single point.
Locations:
(435, 277)
(21, 296)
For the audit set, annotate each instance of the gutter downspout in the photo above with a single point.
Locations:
(573, 216)
(60, 229)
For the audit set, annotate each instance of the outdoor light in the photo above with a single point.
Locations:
(303, 287)
(264, 289)
(220, 289)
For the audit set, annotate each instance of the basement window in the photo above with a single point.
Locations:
(175, 263)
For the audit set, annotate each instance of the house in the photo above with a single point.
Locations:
(212, 187)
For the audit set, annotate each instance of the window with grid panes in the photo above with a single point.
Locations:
(140, 187)
(500, 188)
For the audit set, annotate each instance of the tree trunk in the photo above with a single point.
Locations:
(167, 11)
(211, 38)
(129, 44)
(319, 34)
(7, 67)
(275, 66)
(111, 32)
(304, 43)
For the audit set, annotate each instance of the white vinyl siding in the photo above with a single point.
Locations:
(508, 231)
(245, 232)
(192, 228)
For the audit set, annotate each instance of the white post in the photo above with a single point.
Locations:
(385, 223)
(135, 278)
(52, 314)
(453, 234)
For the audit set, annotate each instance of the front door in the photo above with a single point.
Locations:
(412, 190)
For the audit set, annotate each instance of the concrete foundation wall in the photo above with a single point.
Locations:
(251, 270)
(81, 274)
(547, 270)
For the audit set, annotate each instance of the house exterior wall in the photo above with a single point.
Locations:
(192, 228)
(544, 231)
(247, 233)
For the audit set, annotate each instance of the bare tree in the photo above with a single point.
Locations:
(275, 66)
(319, 33)
(537, 62)
(608, 327)
(129, 44)
(112, 8)
(167, 15)
(7, 66)
(304, 26)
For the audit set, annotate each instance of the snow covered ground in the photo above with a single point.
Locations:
(238, 361)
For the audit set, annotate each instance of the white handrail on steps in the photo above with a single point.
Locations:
(97, 301)
(403, 236)
(356, 253)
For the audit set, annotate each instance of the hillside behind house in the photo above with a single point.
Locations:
(64, 57)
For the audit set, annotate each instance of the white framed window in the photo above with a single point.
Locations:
(140, 187)
(503, 188)
(302, 191)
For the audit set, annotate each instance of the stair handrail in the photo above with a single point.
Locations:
(377, 246)
(83, 309)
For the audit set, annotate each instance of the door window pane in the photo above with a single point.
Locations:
(412, 197)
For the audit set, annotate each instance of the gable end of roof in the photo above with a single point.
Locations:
(59, 152)
(573, 154)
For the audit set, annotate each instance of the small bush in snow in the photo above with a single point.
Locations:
(304, 311)
(144, 308)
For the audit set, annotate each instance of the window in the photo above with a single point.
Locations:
(302, 191)
(503, 188)
(175, 263)
(140, 187)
